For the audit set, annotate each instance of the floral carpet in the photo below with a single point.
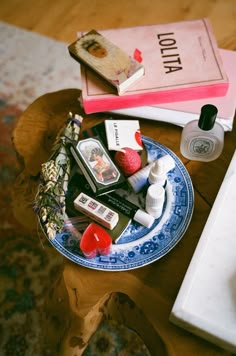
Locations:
(27, 267)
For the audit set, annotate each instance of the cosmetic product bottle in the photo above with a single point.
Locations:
(155, 200)
(168, 162)
(138, 180)
(203, 139)
(157, 173)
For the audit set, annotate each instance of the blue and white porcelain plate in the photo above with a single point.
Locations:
(139, 246)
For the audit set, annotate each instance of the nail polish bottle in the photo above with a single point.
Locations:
(203, 139)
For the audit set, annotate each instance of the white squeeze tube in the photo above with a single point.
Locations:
(140, 179)
(127, 208)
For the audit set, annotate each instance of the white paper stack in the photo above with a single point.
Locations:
(206, 302)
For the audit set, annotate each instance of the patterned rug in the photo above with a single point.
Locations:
(25, 265)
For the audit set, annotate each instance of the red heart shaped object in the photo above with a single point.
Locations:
(95, 240)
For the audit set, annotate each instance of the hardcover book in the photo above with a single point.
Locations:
(180, 113)
(107, 60)
(181, 60)
(97, 166)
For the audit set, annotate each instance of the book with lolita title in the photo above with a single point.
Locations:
(107, 60)
(181, 59)
(181, 112)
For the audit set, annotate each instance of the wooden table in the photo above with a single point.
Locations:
(141, 298)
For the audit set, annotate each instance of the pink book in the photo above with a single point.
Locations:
(181, 60)
(180, 113)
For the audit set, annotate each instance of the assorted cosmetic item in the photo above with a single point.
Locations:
(154, 172)
(109, 157)
(99, 175)
(128, 208)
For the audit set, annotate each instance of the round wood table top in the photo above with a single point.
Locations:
(141, 298)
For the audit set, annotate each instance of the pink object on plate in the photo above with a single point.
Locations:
(128, 160)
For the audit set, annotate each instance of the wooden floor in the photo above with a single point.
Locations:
(62, 18)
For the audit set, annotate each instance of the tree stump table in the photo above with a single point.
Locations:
(81, 298)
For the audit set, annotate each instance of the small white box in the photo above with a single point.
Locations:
(206, 302)
(123, 133)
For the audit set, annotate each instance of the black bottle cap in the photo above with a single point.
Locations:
(207, 117)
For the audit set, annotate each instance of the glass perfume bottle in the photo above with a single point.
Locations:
(203, 139)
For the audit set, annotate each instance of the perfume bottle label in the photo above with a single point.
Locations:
(201, 146)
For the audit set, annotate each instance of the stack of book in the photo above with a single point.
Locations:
(183, 70)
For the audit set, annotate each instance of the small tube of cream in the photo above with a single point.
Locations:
(127, 208)
(138, 180)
